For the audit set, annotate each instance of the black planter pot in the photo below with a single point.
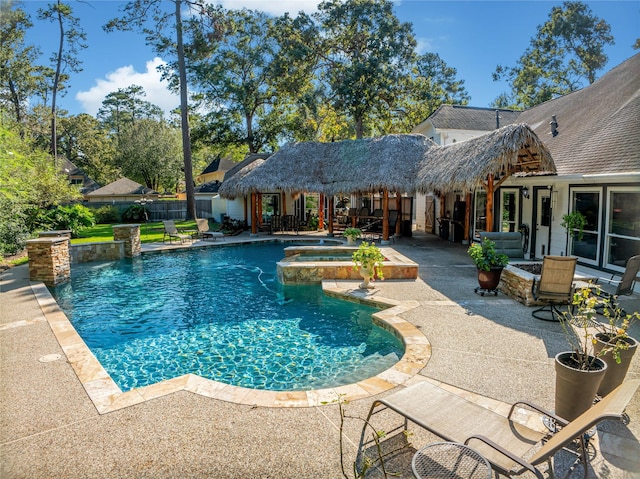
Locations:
(615, 372)
(489, 279)
(576, 388)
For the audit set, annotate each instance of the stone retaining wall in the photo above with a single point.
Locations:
(517, 283)
(104, 251)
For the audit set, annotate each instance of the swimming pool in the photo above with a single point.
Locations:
(220, 313)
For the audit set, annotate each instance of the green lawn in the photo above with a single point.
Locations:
(149, 232)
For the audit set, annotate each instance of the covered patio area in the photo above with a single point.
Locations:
(392, 164)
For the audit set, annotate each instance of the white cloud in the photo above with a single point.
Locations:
(424, 45)
(271, 7)
(123, 77)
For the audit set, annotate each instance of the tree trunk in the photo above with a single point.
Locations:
(359, 128)
(184, 113)
(249, 120)
(56, 81)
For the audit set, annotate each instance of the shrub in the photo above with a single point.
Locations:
(135, 213)
(107, 214)
(13, 228)
(74, 217)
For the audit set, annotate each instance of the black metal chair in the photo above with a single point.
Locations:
(622, 287)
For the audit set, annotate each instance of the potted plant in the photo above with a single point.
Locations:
(613, 344)
(369, 260)
(352, 234)
(489, 262)
(580, 371)
(574, 221)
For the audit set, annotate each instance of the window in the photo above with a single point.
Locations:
(623, 226)
(588, 203)
(270, 204)
(509, 210)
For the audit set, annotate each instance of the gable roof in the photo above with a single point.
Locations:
(123, 186)
(459, 117)
(208, 187)
(70, 169)
(598, 129)
(218, 164)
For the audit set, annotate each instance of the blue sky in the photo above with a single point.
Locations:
(471, 36)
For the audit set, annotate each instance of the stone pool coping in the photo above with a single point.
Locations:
(107, 396)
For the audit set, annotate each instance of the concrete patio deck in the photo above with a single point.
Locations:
(488, 346)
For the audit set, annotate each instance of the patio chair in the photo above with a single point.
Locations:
(503, 441)
(614, 288)
(171, 232)
(554, 287)
(203, 230)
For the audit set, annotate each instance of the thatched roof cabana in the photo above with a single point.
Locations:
(513, 149)
(350, 166)
(403, 163)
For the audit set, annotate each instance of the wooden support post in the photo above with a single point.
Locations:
(284, 203)
(467, 218)
(254, 214)
(399, 210)
(385, 215)
(321, 213)
(489, 212)
(330, 214)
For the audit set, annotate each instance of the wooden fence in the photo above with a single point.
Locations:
(163, 210)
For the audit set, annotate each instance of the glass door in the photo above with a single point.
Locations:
(588, 202)
(623, 227)
(509, 210)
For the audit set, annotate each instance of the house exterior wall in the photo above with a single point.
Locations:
(604, 247)
(209, 177)
(235, 209)
(445, 136)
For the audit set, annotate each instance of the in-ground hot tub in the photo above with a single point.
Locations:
(312, 264)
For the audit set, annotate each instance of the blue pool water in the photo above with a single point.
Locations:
(222, 314)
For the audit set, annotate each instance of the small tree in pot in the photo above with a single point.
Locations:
(489, 262)
(581, 372)
(613, 344)
(368, 259)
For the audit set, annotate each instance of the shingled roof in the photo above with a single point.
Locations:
(218, 164)
(71, 170)
(598, 127)
(122, 187)
(458, 117)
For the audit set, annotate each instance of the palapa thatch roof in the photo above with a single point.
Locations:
(393, 162)
(513, 149)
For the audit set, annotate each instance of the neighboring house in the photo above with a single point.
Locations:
(593, 135)
(122, 190)
(208, 182)
(77, 177)
(215, 170)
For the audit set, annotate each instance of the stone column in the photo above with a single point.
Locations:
(130, 234)
(49, 260)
